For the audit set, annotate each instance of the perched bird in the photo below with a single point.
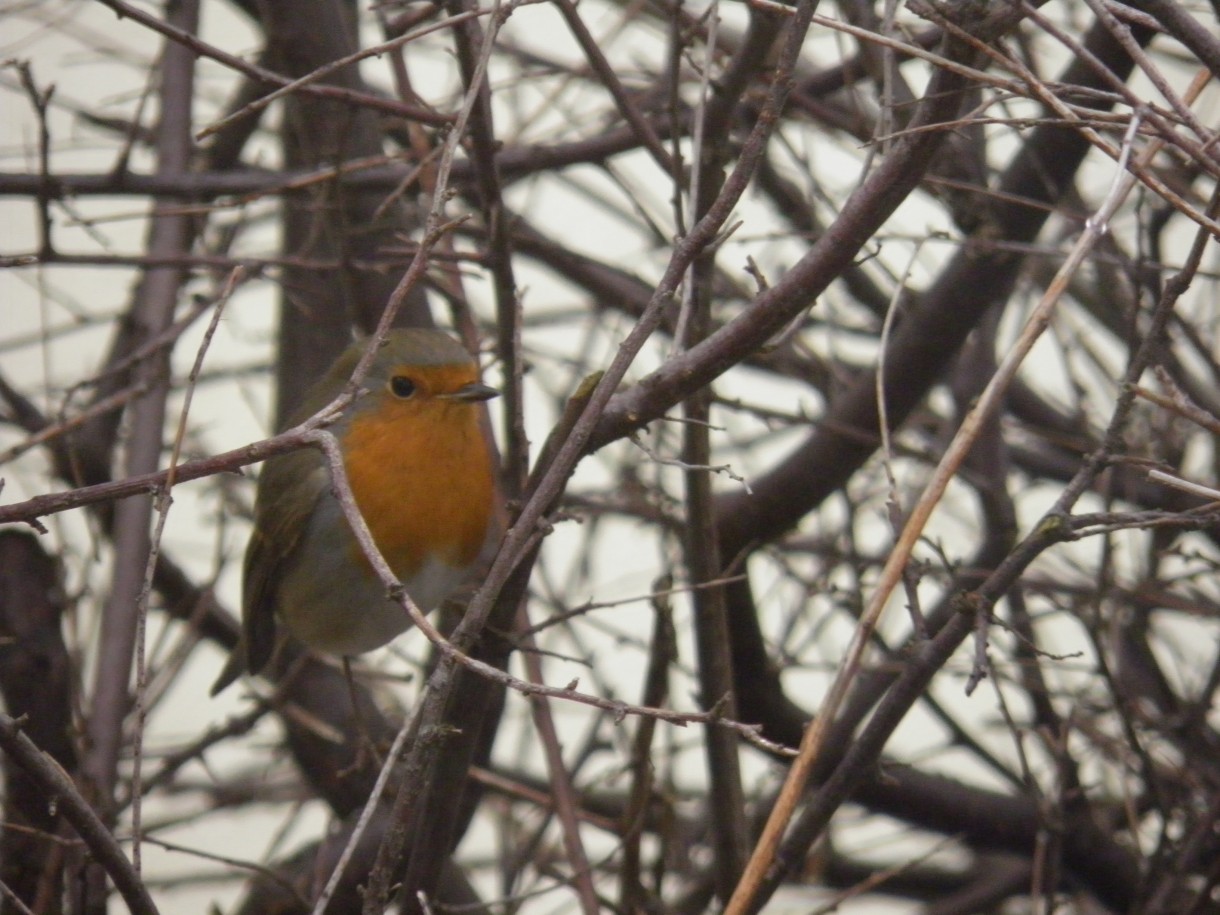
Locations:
(422, 475)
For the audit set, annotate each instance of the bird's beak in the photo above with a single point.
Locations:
(473, 393)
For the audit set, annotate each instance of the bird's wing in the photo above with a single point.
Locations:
(278, 532)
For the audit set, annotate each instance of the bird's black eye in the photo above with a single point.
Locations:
(402, 386)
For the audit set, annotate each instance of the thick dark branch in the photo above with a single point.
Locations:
(52, 783)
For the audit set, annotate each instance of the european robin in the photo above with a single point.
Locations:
(421, 473)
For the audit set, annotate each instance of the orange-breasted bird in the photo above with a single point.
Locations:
(422, 476)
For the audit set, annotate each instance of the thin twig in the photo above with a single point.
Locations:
(318, 74)
(203, 49)
(1198, 489)
(163, 501)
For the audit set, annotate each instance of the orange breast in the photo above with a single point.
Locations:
(422, 477)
